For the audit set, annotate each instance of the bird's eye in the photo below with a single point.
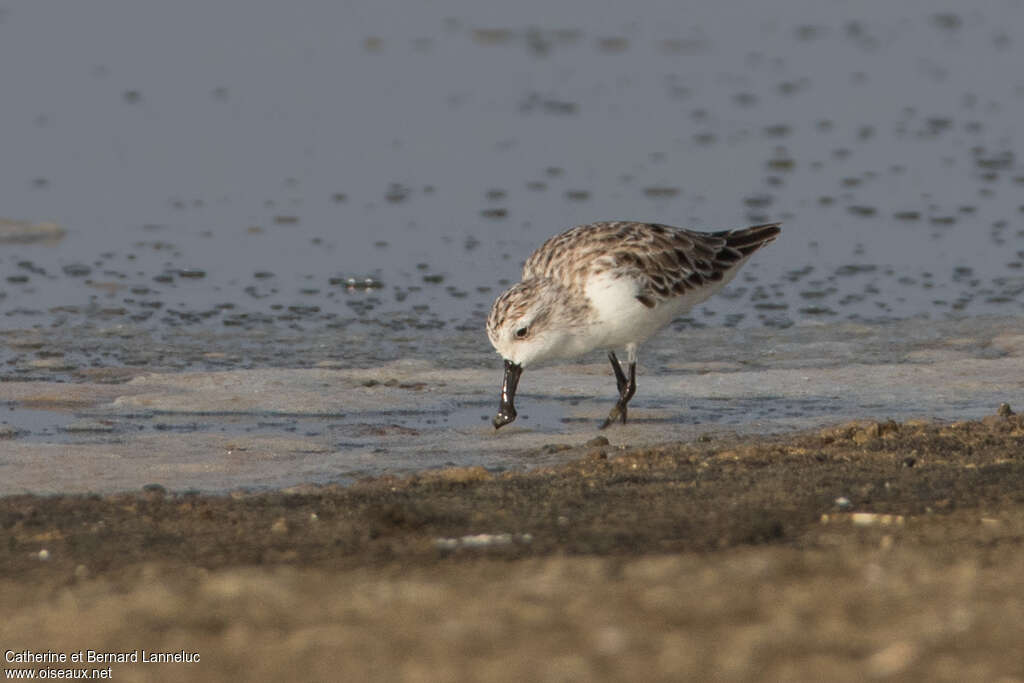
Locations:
(522, 332)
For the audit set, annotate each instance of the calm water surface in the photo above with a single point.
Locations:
(252, 183)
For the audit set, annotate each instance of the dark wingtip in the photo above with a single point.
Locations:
(749, 240)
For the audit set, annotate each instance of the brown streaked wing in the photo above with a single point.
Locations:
(665, 261)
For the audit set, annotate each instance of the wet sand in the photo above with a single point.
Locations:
(868, 550)
(104, 430)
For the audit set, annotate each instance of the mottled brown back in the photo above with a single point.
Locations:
(666, 261)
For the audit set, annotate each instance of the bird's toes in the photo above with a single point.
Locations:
(618, 412)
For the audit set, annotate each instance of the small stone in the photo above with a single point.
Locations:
(597, 442)
(100, 426)
(154, 491)
(1004, 410)
(875, 519)
(43, 555)
(76, 270)
(843, 503)
(23, 232)
(892, 659)
(485, 540)
(279, 527)
(52, 364)
(446, 543)
(480, 541)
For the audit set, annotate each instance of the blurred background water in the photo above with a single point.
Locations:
(246, 183)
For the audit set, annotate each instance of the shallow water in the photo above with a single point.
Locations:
(89, 430)
(339, 188)
(320, 166)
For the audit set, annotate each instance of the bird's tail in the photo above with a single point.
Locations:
(748, 240)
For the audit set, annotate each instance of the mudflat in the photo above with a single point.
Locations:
(865, 550)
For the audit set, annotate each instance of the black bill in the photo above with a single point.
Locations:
(507, 408)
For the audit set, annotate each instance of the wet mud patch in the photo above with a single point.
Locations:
(869, 549)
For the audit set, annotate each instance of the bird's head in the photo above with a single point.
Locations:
(528, 324)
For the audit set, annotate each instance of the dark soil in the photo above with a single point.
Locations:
(871, 550)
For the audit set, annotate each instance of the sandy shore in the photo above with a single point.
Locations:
(868, 550)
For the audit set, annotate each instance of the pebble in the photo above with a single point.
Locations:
(104, 426)
(873, 518)
(23, 232)
(52, 364)
(76, 270)
(154, 491)
(481, 541)
(892, 659)
(865, 519)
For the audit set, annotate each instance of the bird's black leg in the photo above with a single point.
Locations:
(627, 387)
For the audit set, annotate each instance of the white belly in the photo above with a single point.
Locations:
(622, 320)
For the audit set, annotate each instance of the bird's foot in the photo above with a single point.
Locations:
(626, 386)
(617, 413)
